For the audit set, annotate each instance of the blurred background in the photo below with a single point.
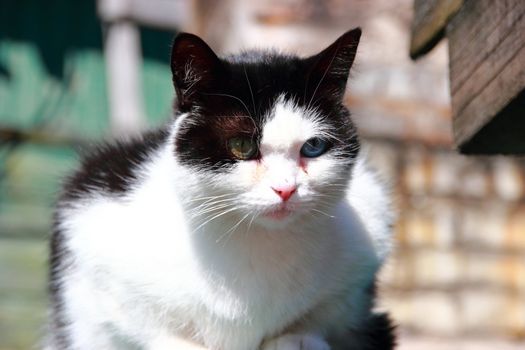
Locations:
(75, 72)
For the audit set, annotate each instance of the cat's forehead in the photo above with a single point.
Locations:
(288, 125)
(260, 79)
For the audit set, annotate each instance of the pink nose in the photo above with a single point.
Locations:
(285, 192)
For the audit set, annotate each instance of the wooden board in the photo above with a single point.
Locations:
(30, 177)
(428, 25)
(23, 275)
(487, 75)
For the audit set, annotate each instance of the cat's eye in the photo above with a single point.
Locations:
(242, 147)
(314, 147)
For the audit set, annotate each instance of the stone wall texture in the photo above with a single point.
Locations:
(458, 270)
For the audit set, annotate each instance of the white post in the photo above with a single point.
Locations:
(123, 56)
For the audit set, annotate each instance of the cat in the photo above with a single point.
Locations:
(250, 221)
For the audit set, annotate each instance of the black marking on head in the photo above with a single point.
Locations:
(111, 168)
(194, 66)
(330, 68)
(242, 89)
(207, 140)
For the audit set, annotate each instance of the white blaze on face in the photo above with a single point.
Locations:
(283, 135)
(287, 129)
(281, 165)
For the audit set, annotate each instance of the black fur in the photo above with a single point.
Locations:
(379, 333)
(214, 90)
(111, 168)
(376, 333)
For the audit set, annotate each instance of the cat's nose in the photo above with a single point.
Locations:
(285, 192)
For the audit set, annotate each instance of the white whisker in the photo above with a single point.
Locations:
(215, 217)
(231, 230)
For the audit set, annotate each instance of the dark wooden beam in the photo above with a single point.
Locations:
(487, 76)
(502, 135)
(428, 25)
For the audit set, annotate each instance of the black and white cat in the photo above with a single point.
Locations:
(250, 222)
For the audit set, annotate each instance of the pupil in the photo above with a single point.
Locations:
(245, 146)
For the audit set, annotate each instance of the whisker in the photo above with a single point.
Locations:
(208, 197)
(212, 202)
(255, 215)
(322, 212)
(231, 230)
(215, 217)
(250, 86)
(200, 211)
(234, 97)
(209, 210)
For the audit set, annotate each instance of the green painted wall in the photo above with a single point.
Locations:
(52, 70)
(53, 93)
(53, 102)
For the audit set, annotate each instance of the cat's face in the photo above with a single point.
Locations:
(266, 135)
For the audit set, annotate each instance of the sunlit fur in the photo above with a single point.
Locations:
(170, 241)
(190, 254)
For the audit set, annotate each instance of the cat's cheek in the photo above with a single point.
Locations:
(326, 171)
(303, 165)
(259, 172)
(318, 169)
(249, 173)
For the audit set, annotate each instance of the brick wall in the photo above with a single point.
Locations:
(459, 265)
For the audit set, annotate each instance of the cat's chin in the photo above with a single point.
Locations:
(278, 217)
(278, 214)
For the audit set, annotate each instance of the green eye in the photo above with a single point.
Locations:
(242, 147)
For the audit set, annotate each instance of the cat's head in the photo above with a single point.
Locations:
(266, 135)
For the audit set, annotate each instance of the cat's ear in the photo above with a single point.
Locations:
(194, 67)
(328, 70)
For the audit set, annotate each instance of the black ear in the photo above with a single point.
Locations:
(194, 66)
(328, 70)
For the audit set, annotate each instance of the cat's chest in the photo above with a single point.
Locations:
(266, 278)
(256, 291)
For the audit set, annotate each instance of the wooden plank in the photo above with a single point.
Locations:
(23, 271)
(475, 33)
(502, 134)
(490, 71)
(428, 25)
(493, 122)
(30, 181)
(22, 220)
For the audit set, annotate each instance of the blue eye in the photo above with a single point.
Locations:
(314, 147)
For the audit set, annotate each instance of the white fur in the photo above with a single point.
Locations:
(149, 268)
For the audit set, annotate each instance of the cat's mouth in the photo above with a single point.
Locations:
(278, 213)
